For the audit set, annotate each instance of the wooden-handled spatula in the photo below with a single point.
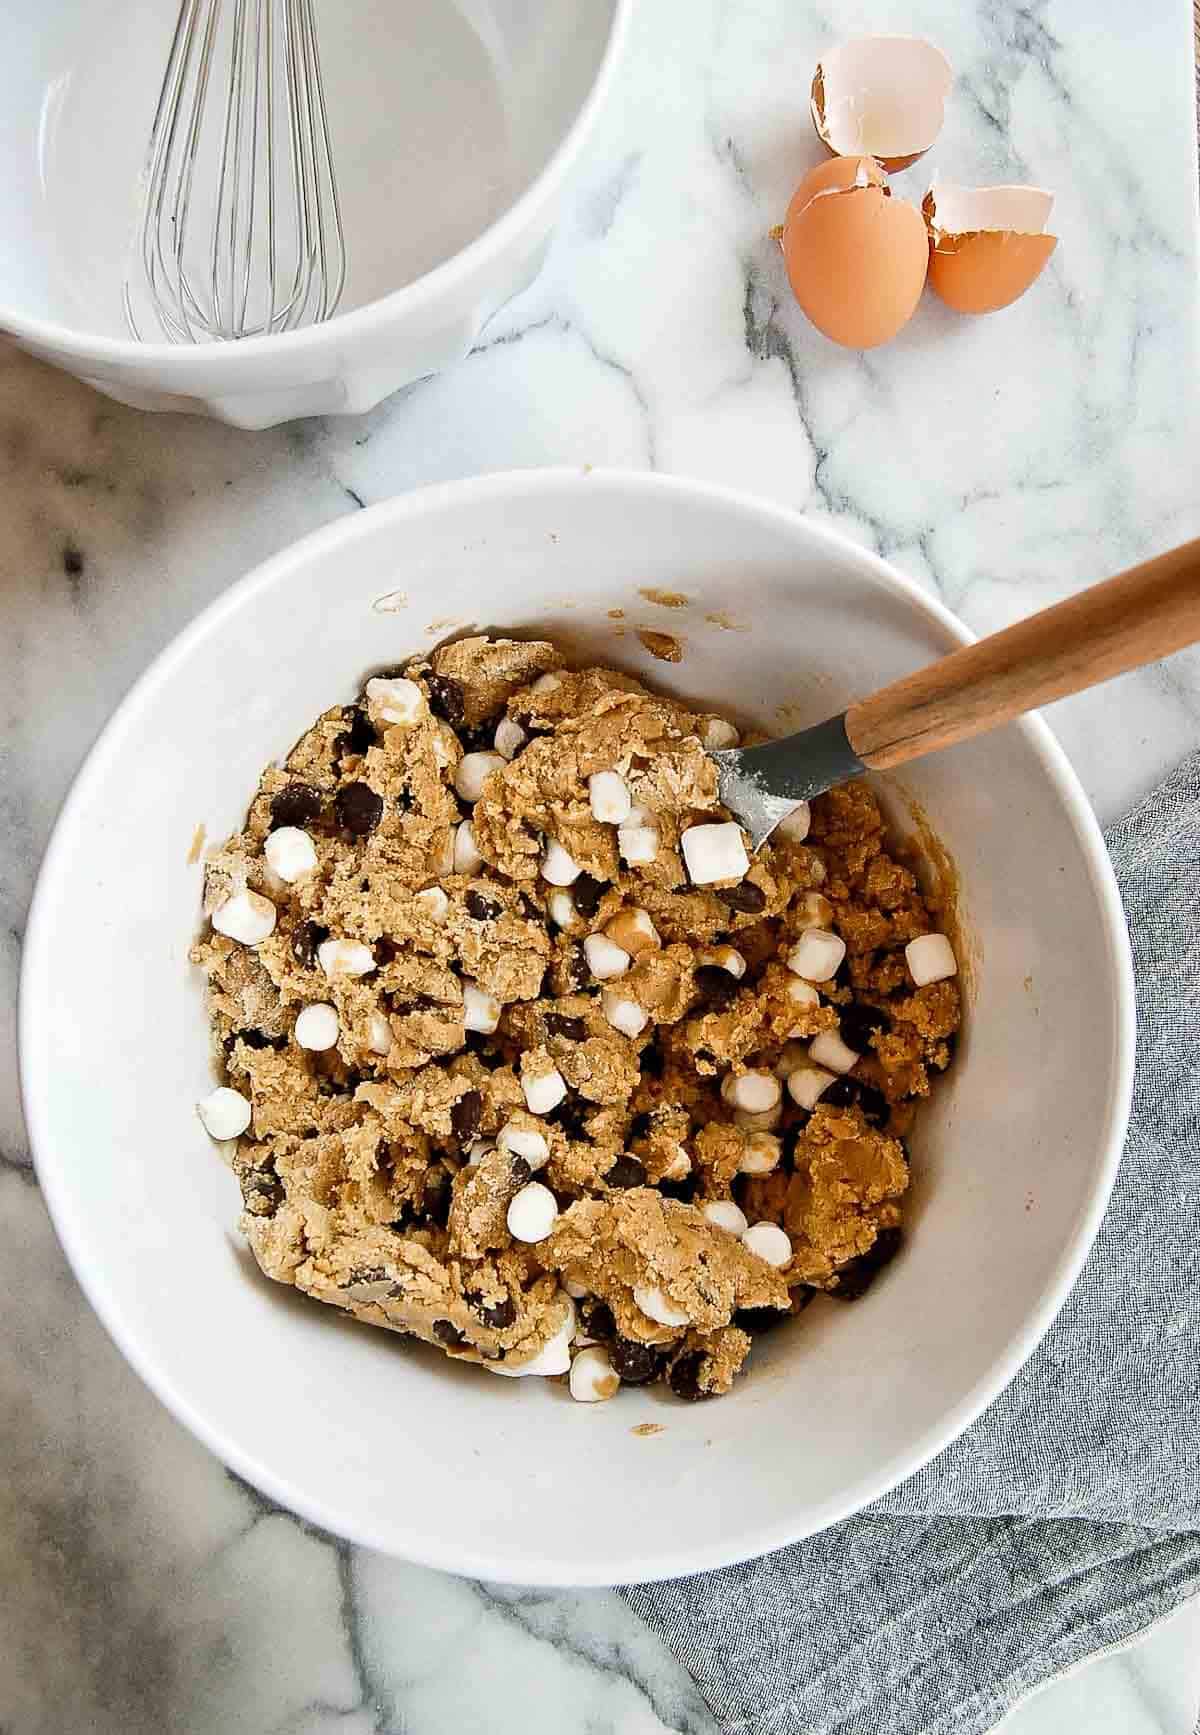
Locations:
(1135, 618)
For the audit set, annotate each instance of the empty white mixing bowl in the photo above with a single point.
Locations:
(380, 1439)
(454, 125)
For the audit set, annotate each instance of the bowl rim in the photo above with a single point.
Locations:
(421, 292)
(35, 1041)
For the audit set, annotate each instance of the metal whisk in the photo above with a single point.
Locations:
(240, 228)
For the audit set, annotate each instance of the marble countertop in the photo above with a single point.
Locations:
(1001, 462)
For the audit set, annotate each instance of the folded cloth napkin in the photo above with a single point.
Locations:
(1068, 1517)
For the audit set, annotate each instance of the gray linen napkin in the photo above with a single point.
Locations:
(1068, 1517)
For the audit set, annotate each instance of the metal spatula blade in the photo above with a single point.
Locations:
(1135, 618)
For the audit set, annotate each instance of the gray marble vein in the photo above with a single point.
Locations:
(1001, 463)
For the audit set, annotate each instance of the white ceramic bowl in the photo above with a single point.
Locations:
(389, 1444)
(455, 124)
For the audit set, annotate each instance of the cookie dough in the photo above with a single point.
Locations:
(498, 1049)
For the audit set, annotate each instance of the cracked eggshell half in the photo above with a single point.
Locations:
(856, 257)
(986, 244)
(881, 96)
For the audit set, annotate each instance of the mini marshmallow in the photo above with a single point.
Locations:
(795, 825)
(802, 993)
(769, 1242)
(930, 958)
(317, 1027)
(714, 852)
(633, 930)
(827, 1049)
(816, 911)
(473, 771)
(225, 1113)
(554, 1357)
(766, 1122)
(808, 1084)
(816, 955)
(290, 853)
(533, 1212)
(638, 844)
(593, 1377)
(477, 1150)
(433, 903)
(716, 733)
(524, 1142)
(794, 1053)
(345, 958)
(245, 917)
(543, 1091)
(481, 1011)
(679, 1167)
(658, 1306)
(561, 906)
(395, 701)
(546, 684)
(760, 1155)
(510, 738)
(623, 1014)
(559, 867)
(605, 959)
(755, 1092)
(575, 1289)
(379, 1034)
(722, 958)
(609, 796)
(467, 859)
(726, 1215)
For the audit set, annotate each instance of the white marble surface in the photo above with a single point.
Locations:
(1002, 462)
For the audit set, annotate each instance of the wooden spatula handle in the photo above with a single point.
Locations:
(1135, 618)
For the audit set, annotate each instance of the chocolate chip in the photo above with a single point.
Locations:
(367, 1274)
(845, 1092)
(636, 1363)
(789, 1139)
(575, 967)
(446, 698)
(358, 808)
(859, 1023)
(587, 893)
(481, 908)
(359, 735)
(683, 1376)
(520, 1170)
(684, 1191)
(296, 804)
(528, 908)
(757, 1320)
(385, 949)
(257, 1039)
(857, 1275)
(447, 1333)
(716, 986)
(559, 1024)
(652, 1060)
(596, 1318)
(305, 941)
(746, 898)
(406, 1220)
(639, 1126)
(626, 1172)
(499, 1315)
(465, 1116)
(572, 1116)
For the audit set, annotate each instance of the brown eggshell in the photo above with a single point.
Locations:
(856, 258)
(882, 95)
(991, 263)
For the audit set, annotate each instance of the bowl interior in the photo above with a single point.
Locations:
(383, 1441)
(441, 113)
